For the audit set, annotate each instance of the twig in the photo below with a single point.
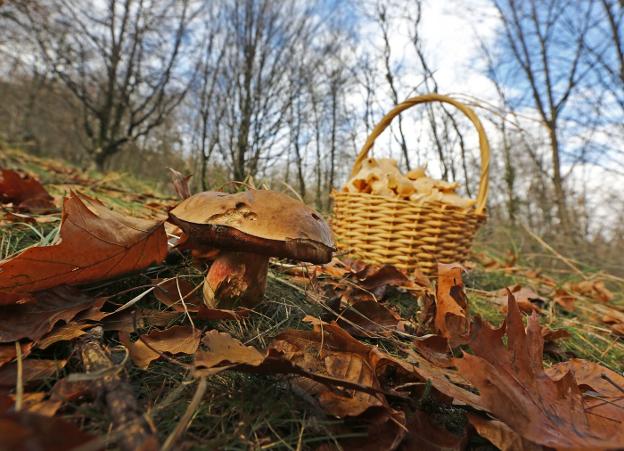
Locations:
(555, 253)
(19, 386)
(187, 418)
(127, 417)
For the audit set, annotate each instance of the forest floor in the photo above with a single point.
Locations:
(243, 410)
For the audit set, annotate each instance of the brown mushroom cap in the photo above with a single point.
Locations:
(256, 221)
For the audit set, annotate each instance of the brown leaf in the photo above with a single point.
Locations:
(603, 391)
(215, 314)
(180, 183)
(501, 435)
(33, 370)
(38, 316)
(451, 304)
(368, 319)
(96, 243)
(221, 349)
(615, 319)
(564, 299)
(593, 289)
(525, 298)
(126, 320)
(514, 387)
(66, 390)
(24, 431)
(175, 340)
(66, 332)
(424, 434)
(8, 351)
(35, 402)
(25, 192)
(174, 292)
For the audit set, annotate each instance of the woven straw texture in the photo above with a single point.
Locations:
(409, 235)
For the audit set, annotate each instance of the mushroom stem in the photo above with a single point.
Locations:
(236, 279)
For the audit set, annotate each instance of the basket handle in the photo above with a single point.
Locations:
(483, 141)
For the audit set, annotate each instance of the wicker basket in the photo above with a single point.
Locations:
(406, 234)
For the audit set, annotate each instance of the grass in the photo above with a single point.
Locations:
(247, 411)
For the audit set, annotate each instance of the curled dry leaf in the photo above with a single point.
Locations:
(525, 297)
(175, 340)
(96, 243)
(43, 310)
(25, 431)
(514, 387)
(501, 435)
(66, 332)
(615, 319)
(24, 192)
(425, 434)
(36, 402)
(180, 183)
(451, 318)
(220, 349)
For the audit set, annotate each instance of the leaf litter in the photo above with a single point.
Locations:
(363, 363)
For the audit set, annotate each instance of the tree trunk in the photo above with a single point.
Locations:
(562, 211)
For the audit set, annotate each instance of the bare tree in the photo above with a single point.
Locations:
(119, 60)
(545, 45)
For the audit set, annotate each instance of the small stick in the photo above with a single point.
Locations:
(127, 417)
(187, 418)
(19, 386)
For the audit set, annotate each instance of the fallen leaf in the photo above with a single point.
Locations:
(175, 340)
(8, 351)
(368, 319)
(176, 293)
(43, 310)
(593, 289)
(24, 192)
(514, 387)
(96, 243)
(564, 299)
(221, 349)
(180, 184)
(66, 332)
(24, 431)
(66, 389)
(35, 402)
(425, 434)
(131, 320)
(525, 298)
(33, 370)
(451, 303)
(501, 435)
(215, 314)
(615, 319)
(602, 389)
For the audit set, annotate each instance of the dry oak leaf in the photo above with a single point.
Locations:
(501, 435)
(35, 402)
(96, 243)
(38, 316)
(220, 349)
(369, 319)
(175, 340)
(615, 320)
(602, 388)
(8, 351)
(514, 387)
(24, 192)
(451, 304)
(24, 431)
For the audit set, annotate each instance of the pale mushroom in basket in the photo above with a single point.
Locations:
(249, 227)
(417, 173)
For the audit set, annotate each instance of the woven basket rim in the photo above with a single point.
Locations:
(424, 204)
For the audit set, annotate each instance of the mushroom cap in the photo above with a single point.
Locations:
(256, 221)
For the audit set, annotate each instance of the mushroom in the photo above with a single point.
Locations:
(248, 228)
